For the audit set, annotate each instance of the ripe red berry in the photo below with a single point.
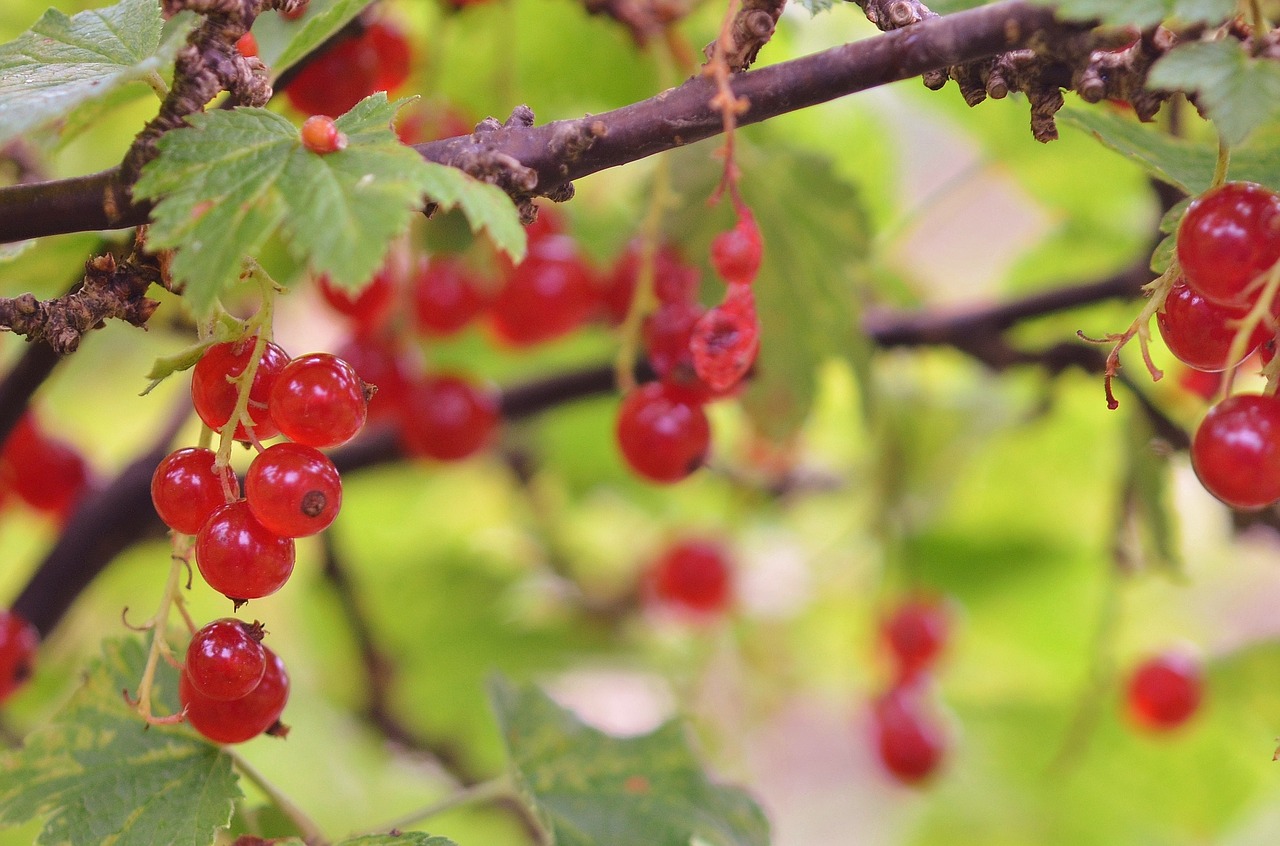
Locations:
(663, 436)
(247, 45)
(214, 395)
(736, 253)
(1228, 237)
(225, 659)
(318, 400)
(238, 720)
(909, 742)
(1165, 691)
(673, 280)
(330, 84)
(321, 135)
(239, 557)
(293, 490)
(185, 489)
(18, 642)
(726, 340)
(667, 333)
(378, 364)
(1236, 450)
(48, 474)
(446, 417)
(693, 575)
(445, 297)
(546, 297)
(1200, 333)
(370, 306)
(915, 633)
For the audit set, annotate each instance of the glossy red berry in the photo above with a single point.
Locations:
(238, 720)
(736, 253)
(1200, 333)
(673, 280)
(293, 490)
(1165, 691)
(663, 436)
(445, 297)
(379, 364)
(369, 306)
(225, 659)
(186, 490)
(667, 333)
(18, 642)
(546, 297)
(693, 575)
(909, 741)
(447, 417)
(247, 45)
(1236, 450)
(1229, 236)
(321, 135)
(330, 84)
(239, 557)
(726, 340)
(48, 474)
(318, 400)
(915, 634)
(214, 395)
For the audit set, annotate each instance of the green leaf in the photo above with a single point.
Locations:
(816, 6)
(98, 774)
(227, 183)
(282, 43)
(1162, 255)
(1186, 164)
(62, 62)
(816, 239)
(592, 789)
(1143, 13)
(408, 838)
(1237, 92)
(1146, 525)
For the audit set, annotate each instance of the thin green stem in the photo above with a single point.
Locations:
(1224, 162)
(306, 826)
(1260, 26)
(159, 625)
(261, 322)
(485, 791)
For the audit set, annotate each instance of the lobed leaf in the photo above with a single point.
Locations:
(1143, 13)
(1236, 91)
(408, 838)
(592, 789)
(98, 774)
(63, 63)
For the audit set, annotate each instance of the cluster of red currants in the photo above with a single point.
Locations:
(699, 355)
(692, 577)
(244, 547)
(1228, 243)
(1164, 691)
(233, 688)
(908, 736)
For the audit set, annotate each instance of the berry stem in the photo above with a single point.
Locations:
(306, 826)
(643, 298)
(1157, 290)
(728, 103)
(1260, 311)
(486, 791)
(261, 322)
(1223, 163)
(159, 626)
(1260, 27)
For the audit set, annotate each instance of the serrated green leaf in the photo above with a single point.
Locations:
(816, 6)
(591, 789)
(1236, 91)
(408, 838)
(62, 62)
(1186, 164)
(98, 774)
(1142, 13)
(281, 43)
(227, 183)
(816, 239)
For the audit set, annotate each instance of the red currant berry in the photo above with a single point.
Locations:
(48, 474)
(350, 70)
(673, 280)
(1228, 237)
(667, 333)
(663, 436)
(1236, 450)
(247, 45)
(693, 575)
(293, 490)
(908, 741)
(214, 393)
(381, 366)
(318, 400)
(736, 254)
(321, 135)
(186, 489)
(18, 642)
(239, 557)
(395, 56)
(225, 659)
(1165, 691)
(1199, 333)
(445, 297)
(238, 720)
(447, 418)
(726, 340)
(1201, 383)
(548, 296)
(370, 306)
(915, 633)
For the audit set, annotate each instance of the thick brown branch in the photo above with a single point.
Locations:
(544, 160)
